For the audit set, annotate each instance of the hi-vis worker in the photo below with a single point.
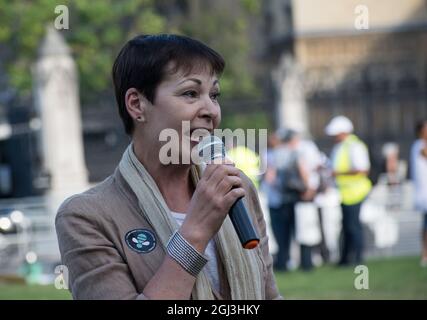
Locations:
(350, 164)
(246, 160)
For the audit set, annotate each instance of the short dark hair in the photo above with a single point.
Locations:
(142, 62)
(419, 127)
(285, 134)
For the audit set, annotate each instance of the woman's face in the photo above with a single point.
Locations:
(190, 98)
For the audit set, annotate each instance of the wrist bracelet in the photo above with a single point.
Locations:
(185, 254)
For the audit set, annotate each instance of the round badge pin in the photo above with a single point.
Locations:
(141, 240)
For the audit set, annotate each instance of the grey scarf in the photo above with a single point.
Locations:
(243, 267)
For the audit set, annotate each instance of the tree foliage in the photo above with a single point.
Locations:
(98, 29)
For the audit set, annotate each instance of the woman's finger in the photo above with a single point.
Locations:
(228, 183)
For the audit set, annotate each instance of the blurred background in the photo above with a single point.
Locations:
(290, 64)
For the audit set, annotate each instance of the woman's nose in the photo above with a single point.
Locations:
(210, 109)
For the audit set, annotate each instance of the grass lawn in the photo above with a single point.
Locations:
(396, 278)
(32, 292)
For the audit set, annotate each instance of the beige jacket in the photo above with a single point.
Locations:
(92, 228)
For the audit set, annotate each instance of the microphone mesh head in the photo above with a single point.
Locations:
(210, 148)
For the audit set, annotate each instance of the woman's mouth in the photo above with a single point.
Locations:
(197, 134)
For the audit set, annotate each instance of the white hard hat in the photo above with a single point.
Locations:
(339, 124)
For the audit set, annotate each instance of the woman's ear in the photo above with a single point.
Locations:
(136, 104)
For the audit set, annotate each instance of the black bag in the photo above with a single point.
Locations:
(291, 185)
(290, 180)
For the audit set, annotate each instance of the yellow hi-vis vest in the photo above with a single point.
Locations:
(352, 187)
(246, 160)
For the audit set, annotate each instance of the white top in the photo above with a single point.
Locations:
(415, 151)
(359, 156)
(420, 179)
(211, 267)
(311, 158)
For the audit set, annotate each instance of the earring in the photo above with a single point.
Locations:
(140, 119)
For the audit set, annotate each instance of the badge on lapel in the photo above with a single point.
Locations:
(141, 240)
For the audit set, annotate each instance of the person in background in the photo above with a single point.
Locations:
(246, 160)
(268, 183)
(390, 152)
(290, 176)
(419, 176)
(421, 134)
(393, 175)
(270, 188)
(350, 165)
(313, 161)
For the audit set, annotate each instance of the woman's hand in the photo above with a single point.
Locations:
(219, 187)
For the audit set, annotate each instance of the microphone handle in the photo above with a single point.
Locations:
(243, 225)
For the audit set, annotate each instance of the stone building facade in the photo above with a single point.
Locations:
(373, 73)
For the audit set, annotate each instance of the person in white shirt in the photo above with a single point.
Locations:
(418, 162)
(290, 176)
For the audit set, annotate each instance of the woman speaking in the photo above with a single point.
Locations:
(162, 231)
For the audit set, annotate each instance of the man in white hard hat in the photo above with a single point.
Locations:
(350, 164)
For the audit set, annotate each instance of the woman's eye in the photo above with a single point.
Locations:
(190, 94)
(215, 96)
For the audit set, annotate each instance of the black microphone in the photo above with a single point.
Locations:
(210, 148)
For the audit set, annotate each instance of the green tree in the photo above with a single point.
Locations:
(98, 29)
(225, 26)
